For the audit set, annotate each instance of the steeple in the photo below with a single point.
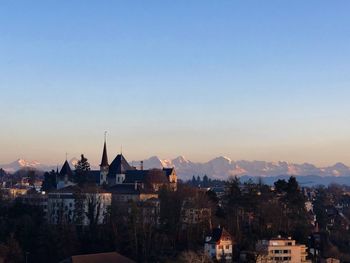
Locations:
(66, 170)
(104, 166)
(104, 161)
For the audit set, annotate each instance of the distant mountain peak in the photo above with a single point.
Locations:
(181, 159)
(220, 167)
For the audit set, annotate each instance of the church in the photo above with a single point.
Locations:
(119, 174)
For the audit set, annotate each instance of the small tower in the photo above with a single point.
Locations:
(65, 177)
(104, 166)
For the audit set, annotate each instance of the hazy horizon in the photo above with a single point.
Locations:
(255, 81)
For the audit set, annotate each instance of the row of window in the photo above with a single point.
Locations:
(281, 251)
(222, 247)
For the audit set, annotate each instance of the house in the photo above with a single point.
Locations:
(112, 257)
(219, 244)
(281, 250)
(79, 206)
(123, 193)
(153, 179)
(13, 192)
(148, 212)
(193, 212)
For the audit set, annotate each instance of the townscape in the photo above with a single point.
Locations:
(153, 216)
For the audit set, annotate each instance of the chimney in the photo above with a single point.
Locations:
(141, 165)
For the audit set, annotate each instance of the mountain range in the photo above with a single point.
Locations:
(220, 167)
(223, 167)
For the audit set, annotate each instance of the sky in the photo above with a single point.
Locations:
(255, 80)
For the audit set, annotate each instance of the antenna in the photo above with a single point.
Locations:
(66, 156)
(121, 149)
(105, 135)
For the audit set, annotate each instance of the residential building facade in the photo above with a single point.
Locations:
(219, 245)
(281, 250)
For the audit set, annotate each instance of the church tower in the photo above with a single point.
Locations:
(104, 166)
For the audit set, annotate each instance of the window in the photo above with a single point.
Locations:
(227, 247)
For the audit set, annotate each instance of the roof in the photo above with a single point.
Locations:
(112, 257)
(119, 165)
(218, 234)
(153, 176)
(156, 176)
(168, 171)
(104, 161)
(94, 176)
(133, 176)
(66, 170)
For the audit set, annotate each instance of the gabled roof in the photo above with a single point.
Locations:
(168, 171)
(119, 165)
(66, 170)
(218, 234)
(156, 176)
(104, 161)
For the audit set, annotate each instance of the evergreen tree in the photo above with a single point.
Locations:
(193, 182)
(281, 186)
(49, 181)
(205, 181)
(198, 180)
(82, 169)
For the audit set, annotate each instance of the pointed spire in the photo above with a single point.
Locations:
(104, 161)
(66, 170)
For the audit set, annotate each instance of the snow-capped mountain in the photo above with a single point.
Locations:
(22, 164)
(223, 167)
(220, 167)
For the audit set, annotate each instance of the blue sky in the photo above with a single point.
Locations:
(265, 80)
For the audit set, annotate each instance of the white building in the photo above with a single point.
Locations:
(280, 250)
(80, 206)
(219, 244)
